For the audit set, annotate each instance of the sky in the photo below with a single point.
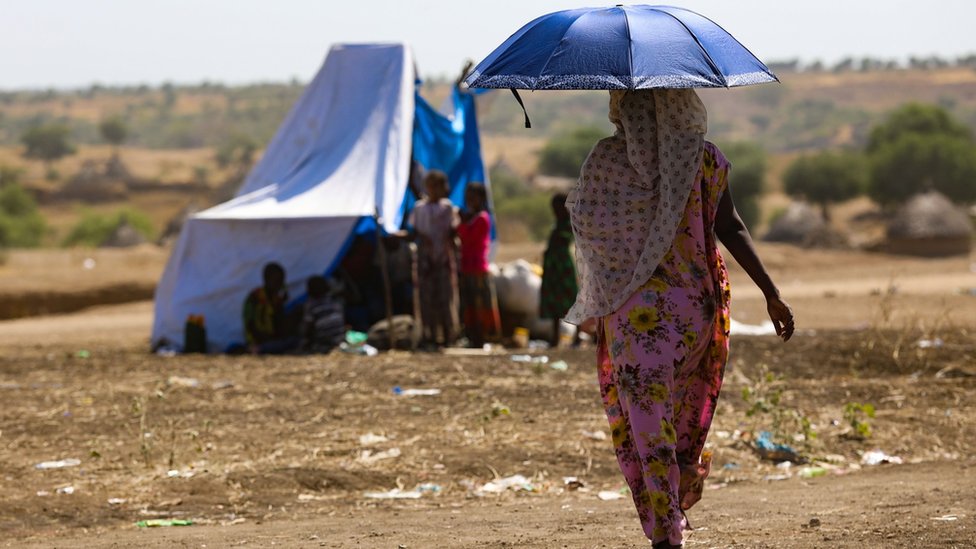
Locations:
(68, 43)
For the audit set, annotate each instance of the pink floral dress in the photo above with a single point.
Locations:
(661, 357)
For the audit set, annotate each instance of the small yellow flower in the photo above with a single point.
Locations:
(656, 285)
(657, 392)
(667, 432)
(618, 432)
(657, 468)
(660, 502)
(643, 319)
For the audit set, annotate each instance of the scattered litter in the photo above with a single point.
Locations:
(116, 501)
(739, 328)
(573, 483)
(173, 473)
(785, 465)
(936, 343)
(83, 353)
(607, 495)
(180, 381)
(499, 409)
(594, 435)
(70, 462)
(66, 490)
(773, 451)
(514, 482)
(222, 384)
(559, 365)
(538, 359)
(235, 522)
(428, 487)
(43, 493)
(395, 493)
(88, 264)
(364, 350)
(311, 497)
(415, 392)
(946, 518)
(538, 345)
(356, 338)
(811, 472)
(877, 457)
(369, 439)
(368, 457)
(776, 477)
(160, 523)
(731, 465)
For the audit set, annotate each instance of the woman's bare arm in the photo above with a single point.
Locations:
(730, 229)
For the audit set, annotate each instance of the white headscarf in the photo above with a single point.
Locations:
(632, 193)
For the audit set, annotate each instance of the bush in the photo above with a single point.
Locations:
(916, 119)
(21, 224)
(532, 210)
(916, 162)
(93, 229)
(826, 178)
(747, 180)
(564, 154)
(48, 142)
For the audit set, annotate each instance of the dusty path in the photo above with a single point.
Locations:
(892, 506)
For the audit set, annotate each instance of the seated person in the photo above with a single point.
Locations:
(265, 323)
(323, 325)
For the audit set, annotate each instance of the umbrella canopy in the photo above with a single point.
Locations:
(623, 47)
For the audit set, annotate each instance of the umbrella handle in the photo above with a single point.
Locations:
(518, 98)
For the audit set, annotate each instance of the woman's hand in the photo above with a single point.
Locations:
(782, 316)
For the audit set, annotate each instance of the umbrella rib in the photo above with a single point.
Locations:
(630, 48)
(708, 57)
(553, 52)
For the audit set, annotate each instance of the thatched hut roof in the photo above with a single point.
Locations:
(798, 222)
(930, 215)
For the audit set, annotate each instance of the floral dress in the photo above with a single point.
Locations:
(661, 358)
(559, 285)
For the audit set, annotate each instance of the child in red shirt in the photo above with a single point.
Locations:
(478, 303)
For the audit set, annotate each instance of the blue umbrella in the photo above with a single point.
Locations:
(623, 47)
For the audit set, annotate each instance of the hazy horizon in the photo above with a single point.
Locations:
(64, 45)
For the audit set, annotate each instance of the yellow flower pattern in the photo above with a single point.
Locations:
(661, 358)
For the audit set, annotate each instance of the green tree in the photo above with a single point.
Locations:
(47, 143)
(237, 151)
(916, 162)
(113, 130)
(916, 119)
(93, 229)
(564, 154)
(747, 180)
(827, 178)
(21, 224)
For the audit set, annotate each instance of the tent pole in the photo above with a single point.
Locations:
(385, 270)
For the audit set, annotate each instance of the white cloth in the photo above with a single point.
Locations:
(632, 193)
(342, 153)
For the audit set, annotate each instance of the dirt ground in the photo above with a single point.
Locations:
(268, 451)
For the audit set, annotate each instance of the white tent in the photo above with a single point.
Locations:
(342, 153)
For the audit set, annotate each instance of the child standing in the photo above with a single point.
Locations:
(323, 324)
(481, 318)
(559, 285)
(435, 219)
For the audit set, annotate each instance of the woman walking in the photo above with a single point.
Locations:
(650, 205)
